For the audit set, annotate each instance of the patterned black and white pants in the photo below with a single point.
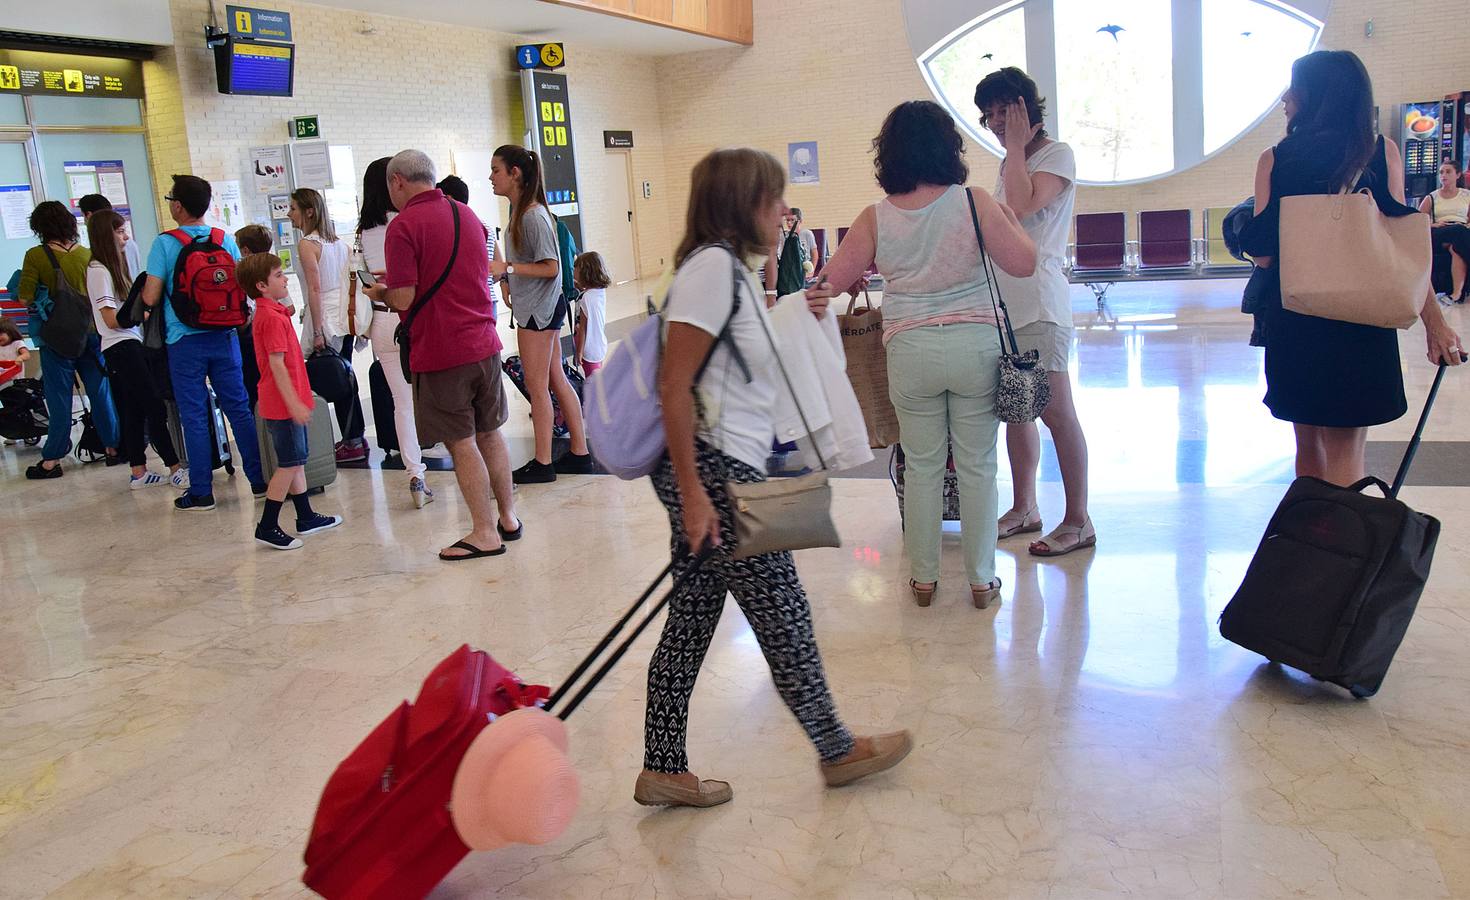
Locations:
(771, 597)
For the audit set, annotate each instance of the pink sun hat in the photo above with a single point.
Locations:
(515, 784)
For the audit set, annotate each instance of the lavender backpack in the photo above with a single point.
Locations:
(625, 424)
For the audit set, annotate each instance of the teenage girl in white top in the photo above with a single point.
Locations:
(372, 232)
(139, 407)
(324, 320)
(1449, 210)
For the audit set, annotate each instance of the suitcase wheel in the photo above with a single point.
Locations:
(1360, 693)
(229, 468)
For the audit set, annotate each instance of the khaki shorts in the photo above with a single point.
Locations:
(453, 404)
(1052, 341)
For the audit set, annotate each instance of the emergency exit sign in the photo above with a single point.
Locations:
(304, 128)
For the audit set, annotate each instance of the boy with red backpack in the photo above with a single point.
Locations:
(191, 275)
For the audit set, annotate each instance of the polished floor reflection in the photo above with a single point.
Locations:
(172, 698)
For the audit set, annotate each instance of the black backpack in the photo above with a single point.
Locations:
(69, 323)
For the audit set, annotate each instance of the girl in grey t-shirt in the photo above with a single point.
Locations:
(533, 270)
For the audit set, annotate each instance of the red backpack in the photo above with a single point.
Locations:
(205, 293)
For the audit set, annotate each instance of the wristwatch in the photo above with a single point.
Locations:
(510, 270)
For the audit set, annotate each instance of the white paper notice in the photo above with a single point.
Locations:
(313, 162)
(226, 206)
(113, 186)
(15, 209)
(80, 184)
(268, 165)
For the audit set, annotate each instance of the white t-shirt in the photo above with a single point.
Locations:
(373, 240)
(1045, 296)
(103, 295)
(594, 308)
(11, 351)
(739, 417)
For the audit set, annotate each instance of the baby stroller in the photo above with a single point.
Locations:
(23, 411)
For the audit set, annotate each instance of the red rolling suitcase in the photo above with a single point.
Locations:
(382, 829)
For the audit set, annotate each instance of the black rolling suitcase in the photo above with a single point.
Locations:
(1336, 578)
(517, 375)
(219, 439)
(384, 425)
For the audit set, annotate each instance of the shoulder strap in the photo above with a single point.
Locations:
(724, 334)
(448, 267)
(217, 236)
(987, 268)
(52, 256)
(182, 236)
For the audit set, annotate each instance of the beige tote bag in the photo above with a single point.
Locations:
(1343, 259)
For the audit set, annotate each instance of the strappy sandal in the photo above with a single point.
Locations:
(1065, 539)
(923, 596)
(1010, 524)
(983, 597)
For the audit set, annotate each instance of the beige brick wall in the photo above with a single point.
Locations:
(163, 116)
(409, 84)
(829, 70)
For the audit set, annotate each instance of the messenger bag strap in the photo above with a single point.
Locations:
(434, 288)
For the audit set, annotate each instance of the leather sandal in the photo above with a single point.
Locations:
(1010, 524)
(1065, 539)
(982, 597)
(657, 789)
(923, 596)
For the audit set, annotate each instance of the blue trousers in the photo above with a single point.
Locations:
(214, 355)
(59, 380)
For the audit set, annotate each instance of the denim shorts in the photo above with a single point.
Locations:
(289, 441)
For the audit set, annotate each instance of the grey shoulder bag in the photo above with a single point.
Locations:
(1023, 391)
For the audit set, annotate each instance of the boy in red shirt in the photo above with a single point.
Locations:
(285, 401)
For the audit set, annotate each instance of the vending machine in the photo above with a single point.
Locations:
(1455, 131)
(1421, 138)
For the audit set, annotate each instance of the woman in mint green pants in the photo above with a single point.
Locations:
(939, 329)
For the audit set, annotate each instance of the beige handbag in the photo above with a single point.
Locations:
(788, 513)
(1343, 259)
(785, 514)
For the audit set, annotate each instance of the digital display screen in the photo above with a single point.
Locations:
(257, 69)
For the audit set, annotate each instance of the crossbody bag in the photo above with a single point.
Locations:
(401, 333)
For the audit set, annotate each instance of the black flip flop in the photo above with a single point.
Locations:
(474, 552)
(511, 535)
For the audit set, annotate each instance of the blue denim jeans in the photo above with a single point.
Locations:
(59, 380)
(214, 355)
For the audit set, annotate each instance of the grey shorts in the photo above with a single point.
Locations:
(1052, 341)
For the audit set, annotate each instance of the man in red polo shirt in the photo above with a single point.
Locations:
(440, 289)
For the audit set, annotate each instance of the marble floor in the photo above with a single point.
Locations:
(173, 698)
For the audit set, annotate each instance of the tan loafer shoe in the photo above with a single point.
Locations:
(659, 789)
(869, 756)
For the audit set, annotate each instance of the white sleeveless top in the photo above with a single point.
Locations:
(930, 260)
(1455, 210)
(332, 273)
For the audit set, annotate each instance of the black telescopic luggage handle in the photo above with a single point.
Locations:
(1403, 472)
(613, 634)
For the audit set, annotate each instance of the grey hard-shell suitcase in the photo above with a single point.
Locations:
(321, 452)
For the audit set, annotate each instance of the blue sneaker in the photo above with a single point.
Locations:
(194, 502)
(317, 522)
